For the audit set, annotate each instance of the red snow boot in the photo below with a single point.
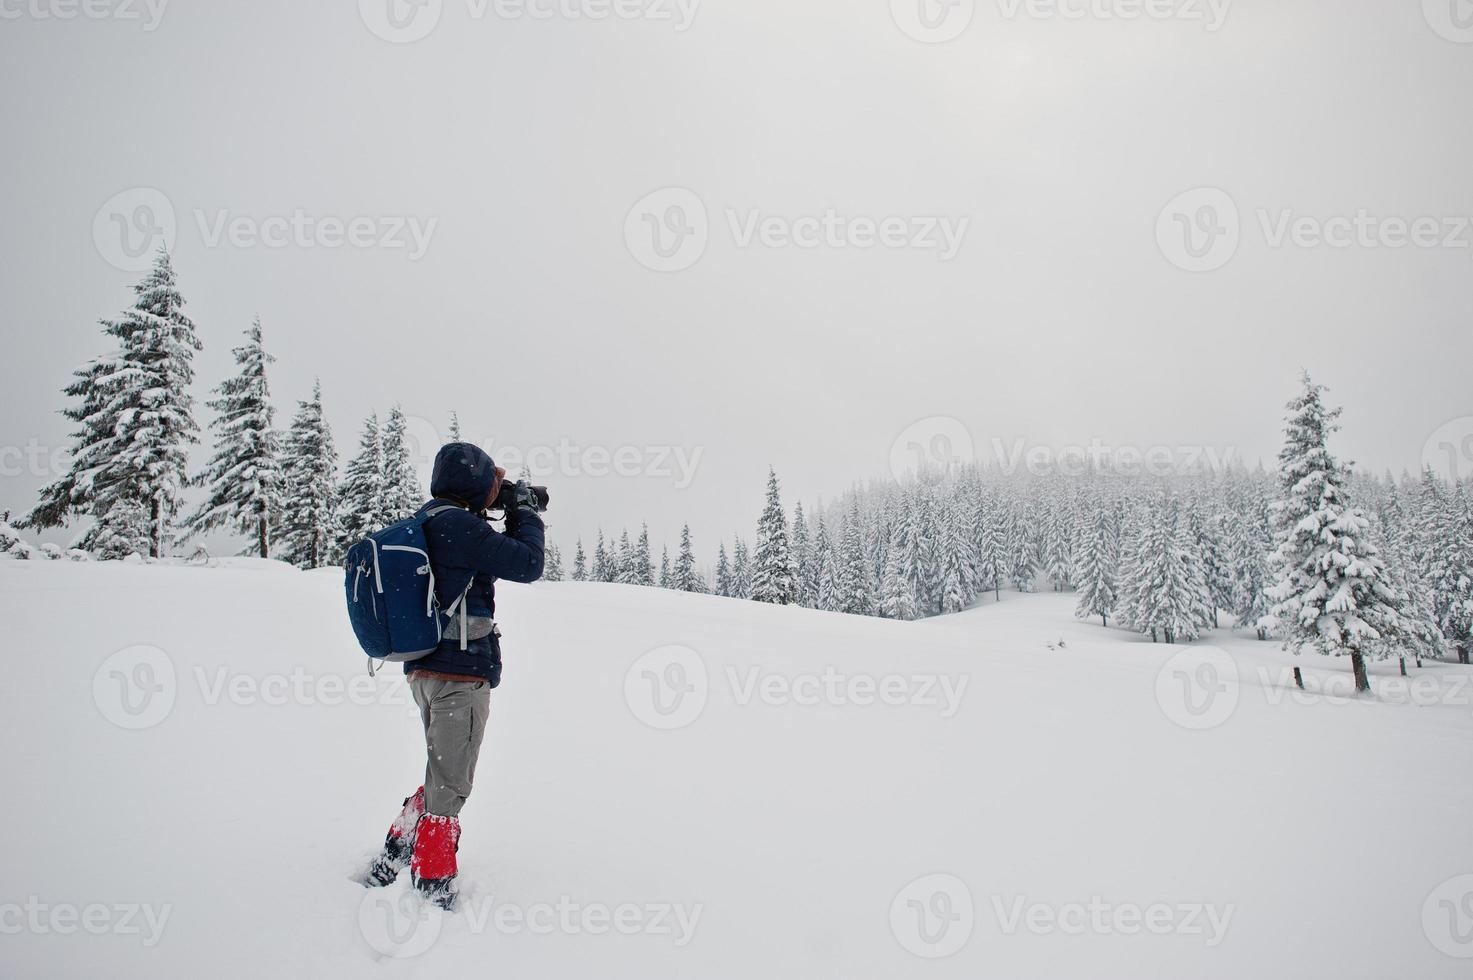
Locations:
(399, 844)
(436, 840)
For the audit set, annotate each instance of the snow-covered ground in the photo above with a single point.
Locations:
(686, 786)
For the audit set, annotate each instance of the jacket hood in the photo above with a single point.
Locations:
(463, 472)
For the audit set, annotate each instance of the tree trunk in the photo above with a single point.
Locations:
(1358, 664)
(1403, 666)
(1104, 620)
(263, 536)
(1214, 618)
(1298, 679)
(156, 542)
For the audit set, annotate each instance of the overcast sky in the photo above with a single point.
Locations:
(997, 233)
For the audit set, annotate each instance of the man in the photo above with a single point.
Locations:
(452, 686)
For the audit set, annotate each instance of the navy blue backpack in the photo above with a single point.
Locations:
(391, 592)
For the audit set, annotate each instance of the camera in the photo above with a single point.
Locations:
(506, 498)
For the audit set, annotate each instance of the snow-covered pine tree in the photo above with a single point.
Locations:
(1021, 551)
(12, 545)
(454, 430)
(155, 411)
(136, 418)
(1332, 595)
(856, 591)
(897, 591)
(923, 551)
(1204, 527)
(643, 573)
(244, 475)
(309, 467)
(1098, 563)
(1455, 576)
(772, 565)
(624, 571)
(685, 577)
(991, 548)
(955, 573)
(1251, 543)
(580, 563)
(664, 566)
(122, 532)
(826, 595)
(1058, 543)
(1171, 596)
(361, 496)
(741, 571)
(402, 493)
(724, 583)
(1418, 635)
(552, 568)
(603, 567)
(804, 590)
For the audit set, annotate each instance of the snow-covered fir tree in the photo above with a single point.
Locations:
(361, 496)
(603, 566)
(454, 430)
(309, 466)
(1169, 596)
(1332, 595)
(805, 584)
(1098, 562)
(725, 585)
(897, 590)
(741, 571)
(402, 493)
(1251, 543)
(664, 566)
(580, 563)
(244, 475)
(825, 569)
(1021, 549)
(685, 578)
(990, 546)
(772, 565)
(643, 572)
(136, 419)
(856, 591)
(552, 568)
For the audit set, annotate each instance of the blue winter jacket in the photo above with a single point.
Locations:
(465, 550)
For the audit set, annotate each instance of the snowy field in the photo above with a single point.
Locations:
(686, 786)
